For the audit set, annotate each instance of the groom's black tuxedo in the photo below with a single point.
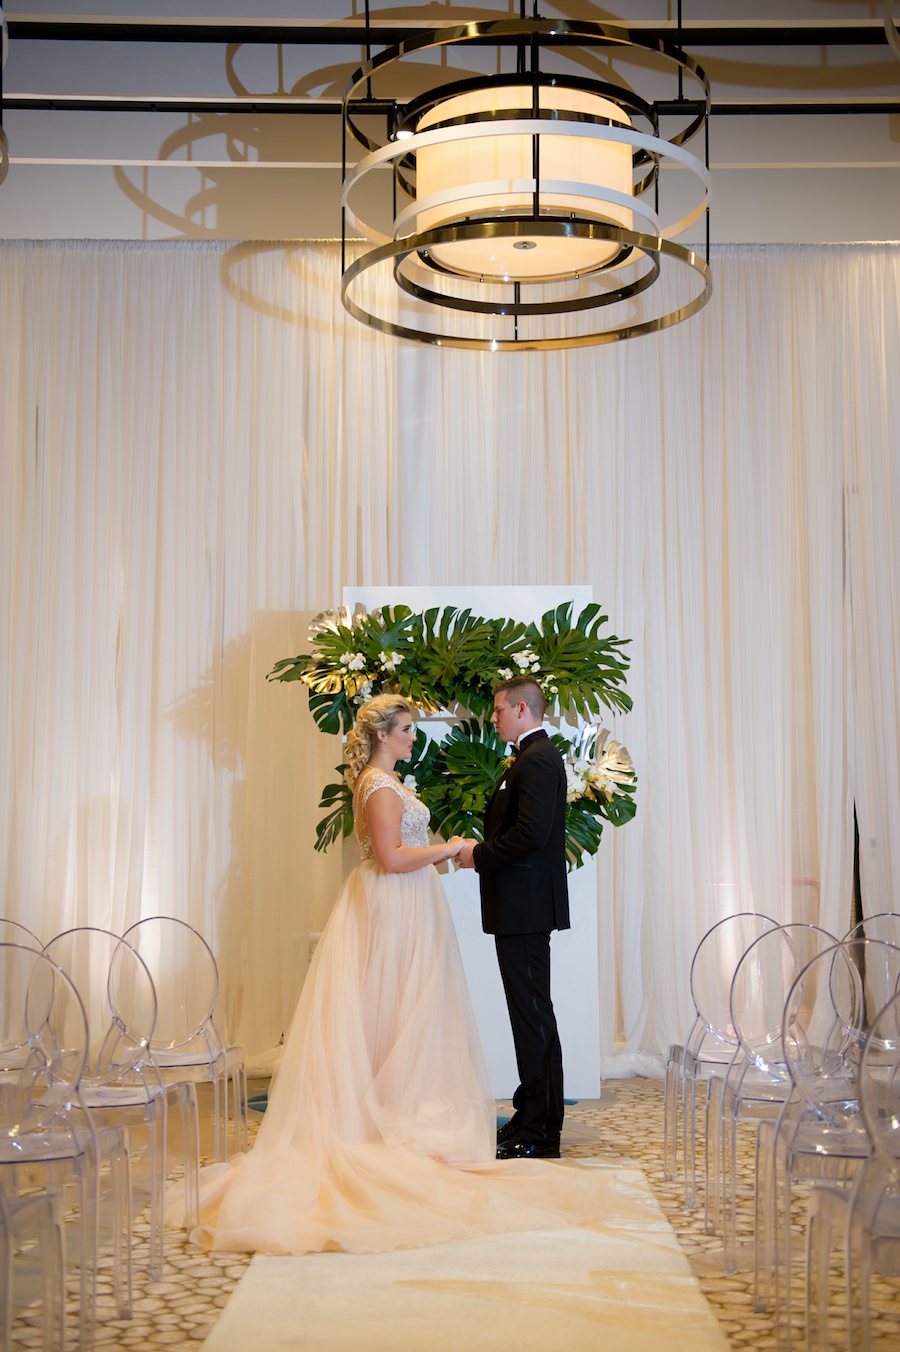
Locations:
(522, 862)
(521, 866)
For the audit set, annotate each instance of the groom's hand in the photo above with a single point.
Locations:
(464, 858)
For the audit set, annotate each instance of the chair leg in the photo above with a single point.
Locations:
(239, 1084)
(763, 1239)
(670, 1111)
(5, 1288)
(122, 1230)
(712, 1164)
(220, 1112)
(190, 1133)
(689, 1117)
(819, 1240)
(157, 1123)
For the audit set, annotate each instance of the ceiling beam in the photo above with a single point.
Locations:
(293, 107)
(746, 33)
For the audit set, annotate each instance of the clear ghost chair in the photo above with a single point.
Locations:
(13, 1042)
(884, 926)
(11, 932)
(31, 1232)
(46, 1135)
(121, 1082)
(864, 1220)
(710, 1042)
(187, 1042)
(820, 1132)
(757, 1081)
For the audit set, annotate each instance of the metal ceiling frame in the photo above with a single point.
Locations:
(357, 33)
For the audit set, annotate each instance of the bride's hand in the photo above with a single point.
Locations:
(454, 845)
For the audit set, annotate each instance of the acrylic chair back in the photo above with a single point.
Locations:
(880, 1087)
(119, 998)
(185, 974)
(760, 987)
(716, 957)
(828, 1014)
(187, 1041)
(38, 997)
(885, 925)
(11, 932)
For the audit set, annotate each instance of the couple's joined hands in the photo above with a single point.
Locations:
(461, 851)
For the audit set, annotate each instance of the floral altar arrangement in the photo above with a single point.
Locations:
(447, 662)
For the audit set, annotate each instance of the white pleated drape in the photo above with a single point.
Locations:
(199, 449)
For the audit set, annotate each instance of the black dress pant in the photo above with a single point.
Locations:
(525, 970)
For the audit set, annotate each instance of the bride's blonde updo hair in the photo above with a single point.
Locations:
(376, 715)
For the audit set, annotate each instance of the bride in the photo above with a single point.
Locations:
(380, 1128)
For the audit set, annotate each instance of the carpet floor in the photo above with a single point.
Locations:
(623, 1128)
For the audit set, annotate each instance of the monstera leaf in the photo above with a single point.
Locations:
(338, 820)
(467, 768)
(445, 659)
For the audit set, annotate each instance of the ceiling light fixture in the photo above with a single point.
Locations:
(523, 206)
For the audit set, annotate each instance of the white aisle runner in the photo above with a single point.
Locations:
(621, 1285)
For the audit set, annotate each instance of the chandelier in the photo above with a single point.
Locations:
(521, 209)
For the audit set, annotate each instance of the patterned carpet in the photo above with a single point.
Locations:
(625, 1125)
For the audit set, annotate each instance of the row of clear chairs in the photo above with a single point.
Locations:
(863, 1222)
(50, 1146)
(86, 1052)
(786, 1058)
(186, 1038)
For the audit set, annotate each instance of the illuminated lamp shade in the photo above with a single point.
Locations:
(492, 176)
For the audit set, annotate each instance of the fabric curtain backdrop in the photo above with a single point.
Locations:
(199, 450)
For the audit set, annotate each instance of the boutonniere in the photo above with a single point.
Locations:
(507, 762)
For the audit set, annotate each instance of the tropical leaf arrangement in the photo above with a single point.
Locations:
(448, 661)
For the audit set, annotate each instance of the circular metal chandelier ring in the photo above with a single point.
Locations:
(532, 127)
(506, 309)
(401, 249)
(554, 32)
(626, 99)
(516, 187)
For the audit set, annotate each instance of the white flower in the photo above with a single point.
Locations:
(574, 783)
(525, 659)
(356, 662)
(409, 782)
(365, 690)
(391, 661)
(505, 673)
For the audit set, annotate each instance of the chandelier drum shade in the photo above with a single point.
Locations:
(489, 176)
(523, 207)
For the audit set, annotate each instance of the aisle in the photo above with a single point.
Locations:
(624, 1283)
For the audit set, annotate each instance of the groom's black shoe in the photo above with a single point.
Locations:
(528, 1150)
(507, 1132)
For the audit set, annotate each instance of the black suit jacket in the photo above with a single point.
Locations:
(521, 863)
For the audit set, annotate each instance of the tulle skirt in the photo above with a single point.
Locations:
(380, 1128)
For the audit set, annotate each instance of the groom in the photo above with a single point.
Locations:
(521, 867)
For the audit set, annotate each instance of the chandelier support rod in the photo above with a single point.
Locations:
(706, 163)
(679, 39)
(536, 140)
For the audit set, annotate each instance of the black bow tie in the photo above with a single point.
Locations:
(514, 752)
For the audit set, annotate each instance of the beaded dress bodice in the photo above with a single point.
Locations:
(413, 822)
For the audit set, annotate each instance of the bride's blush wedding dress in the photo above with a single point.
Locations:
(380, 1128)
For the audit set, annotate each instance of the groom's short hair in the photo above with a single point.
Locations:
(524, 688)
